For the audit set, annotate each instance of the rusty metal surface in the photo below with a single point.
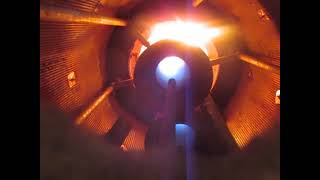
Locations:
(101, 119)
(62, 51)
(51, 13)
(261, 36)
(135, 140)
(81, 5)
(252, 110)
(78, 48)
(72, 68)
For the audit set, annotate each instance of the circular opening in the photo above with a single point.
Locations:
(198, 34)
(171, 67)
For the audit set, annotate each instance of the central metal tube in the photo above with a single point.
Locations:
(167, 130)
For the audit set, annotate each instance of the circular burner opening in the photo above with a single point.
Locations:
(172, 67)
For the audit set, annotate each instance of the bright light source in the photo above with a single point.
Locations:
(277, 98)
(191, 33)
(171, 67)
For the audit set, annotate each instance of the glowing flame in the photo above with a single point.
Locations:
(191, 33)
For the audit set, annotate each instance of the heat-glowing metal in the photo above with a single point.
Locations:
(191, 33)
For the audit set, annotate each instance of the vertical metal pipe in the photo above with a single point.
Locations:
(167, 133)
(50, 13)
(167, 130)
